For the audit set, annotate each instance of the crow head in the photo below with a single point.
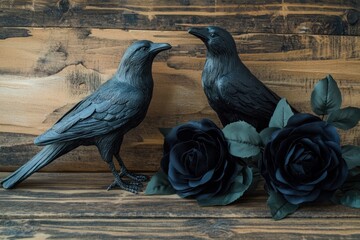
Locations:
(140, 55)
(218, 41)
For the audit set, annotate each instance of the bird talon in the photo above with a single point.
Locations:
(137, 184)
(136, 177)
(133, 187)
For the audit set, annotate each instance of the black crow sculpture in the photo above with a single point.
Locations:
(231, 89)
(102, 119)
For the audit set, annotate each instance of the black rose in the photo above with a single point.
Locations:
(197, 161)
(303, 161)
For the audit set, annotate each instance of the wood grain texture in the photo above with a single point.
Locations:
(84, 195)
(69, 205)
(199, 228)
(274, 16)
(45, 71)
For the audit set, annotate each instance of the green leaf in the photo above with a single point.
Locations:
(240, 185)
(165, 131)
(281, 114)
(345, 118)
(243, 139)
(351, 199)
(159, 185)
(326, 96)
(352, 182)
(351, 155)
(279, 207)
(351, 189)
(266, 133)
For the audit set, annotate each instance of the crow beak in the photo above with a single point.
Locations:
(201, 33)
(158, 47)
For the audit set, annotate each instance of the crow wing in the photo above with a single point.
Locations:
(110, 107)
(246, 96)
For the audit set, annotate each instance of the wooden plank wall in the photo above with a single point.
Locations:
(53, 53)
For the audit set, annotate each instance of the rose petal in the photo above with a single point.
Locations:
(323, 156)
(305, 188)
(212, 189)
(178, 153)
(206, 178)
(211, 192)
(338, 178)
(186, 133)
(331, 134)
(311, 145)
(280, 177)
(301, 119)
(310, 129)
(230, 172)
(267, 165)
(321, 178)
(209, 189)
(303, 167)
(216, 133)
(189, 192)
(283, 148)
(306, 164)
(212, 153)
(220, 171)
(280, 154)
(178, 183)
(275, 134)
(165, 163)
(290, 191)
(302, 199)
(333, 158)
(280, 137)
(207, 123)
(334, 146)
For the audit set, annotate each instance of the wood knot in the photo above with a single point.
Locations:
(64, 6)
(352, 16)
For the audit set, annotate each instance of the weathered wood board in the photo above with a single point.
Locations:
(198, 228)
(76, 205)
(67, 194)
(44, 71)
(246, 16)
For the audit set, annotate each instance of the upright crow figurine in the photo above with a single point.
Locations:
(102, 118)
(232, 90)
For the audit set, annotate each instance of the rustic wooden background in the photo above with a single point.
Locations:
(53, 53)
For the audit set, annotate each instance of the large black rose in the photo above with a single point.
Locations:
(303, 161)
(197, 161)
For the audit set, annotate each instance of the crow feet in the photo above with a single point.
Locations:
(133, 176)
(129, 186)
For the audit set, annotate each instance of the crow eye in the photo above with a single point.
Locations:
(212, 34)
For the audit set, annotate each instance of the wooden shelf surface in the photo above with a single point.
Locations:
(77, 205)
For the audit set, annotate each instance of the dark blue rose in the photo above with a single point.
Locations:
(303, 161)
(197, 161)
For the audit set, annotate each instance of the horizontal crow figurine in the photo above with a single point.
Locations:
(102, 118)
(232, 90)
